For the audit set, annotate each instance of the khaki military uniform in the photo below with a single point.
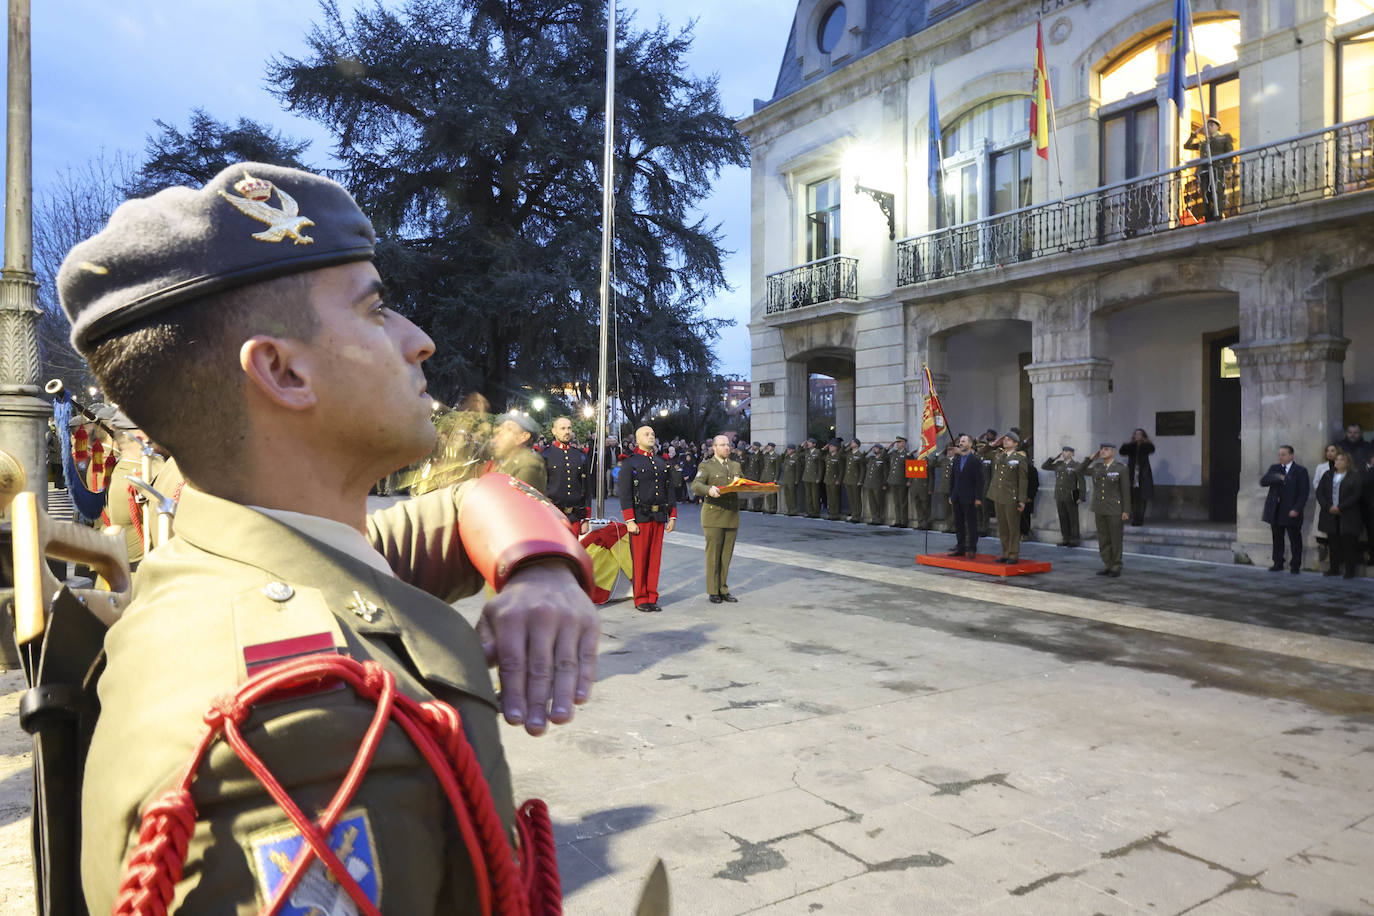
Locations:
(875, 476)
(896, 488)
(235, 584)
(1068, 493)
(853, 483)
(1010, 472)
(940, 510)
(788, 477)
(525, 465)
(749, 468)
(769, 463)
(918, 498)
(811, 482)
(985, 453)
(719, 520)
(119, 509)
(832, 474)
(1111, 497)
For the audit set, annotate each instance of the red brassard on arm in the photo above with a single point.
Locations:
(504, 523)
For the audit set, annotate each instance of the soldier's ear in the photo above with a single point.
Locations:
(278, 371)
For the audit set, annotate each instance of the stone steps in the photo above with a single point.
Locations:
(1184, 542)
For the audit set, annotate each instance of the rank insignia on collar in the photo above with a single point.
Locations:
(365, 609)
(281, 224)
(318, 893)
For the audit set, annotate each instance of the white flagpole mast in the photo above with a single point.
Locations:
(1054, 121)
(607, 237)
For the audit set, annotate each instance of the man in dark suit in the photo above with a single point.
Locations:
(1289, 486)
(966, 496)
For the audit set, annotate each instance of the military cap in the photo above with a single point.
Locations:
(182, 244)
(115, 418)
(1066, 448)
(1013, 435)
(1106, 445)
(770, 445)
(899, 439)
(1216, 121)
(522, 421)
(791, 447)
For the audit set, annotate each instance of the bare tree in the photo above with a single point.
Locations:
(75, 205)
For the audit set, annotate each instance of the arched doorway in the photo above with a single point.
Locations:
(987, 388)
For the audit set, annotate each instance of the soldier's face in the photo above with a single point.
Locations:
(507, 438)
(721, 446)
(644, 438)
(562, 430)
(363, 370)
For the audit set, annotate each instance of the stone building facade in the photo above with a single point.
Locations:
(1092, 291)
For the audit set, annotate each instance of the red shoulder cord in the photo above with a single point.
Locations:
(503, 885)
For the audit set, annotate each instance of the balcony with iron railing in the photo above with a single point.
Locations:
(833, 280)
(1333, 162)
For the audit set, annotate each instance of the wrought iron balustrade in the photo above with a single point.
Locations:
(1327, 163)
(835, 277)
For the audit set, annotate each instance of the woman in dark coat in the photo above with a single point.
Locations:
(1137, 453)
(1338, 496)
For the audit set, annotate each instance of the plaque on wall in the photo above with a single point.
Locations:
(765, 389)
(1175, 423)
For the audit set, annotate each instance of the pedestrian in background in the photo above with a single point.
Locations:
(1068, 493)
(1326, 466)
(1137, 453)
(1288, 490)
(1111, 504)
(1338, 495)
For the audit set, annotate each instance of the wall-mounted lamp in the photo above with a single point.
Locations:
(886, 202)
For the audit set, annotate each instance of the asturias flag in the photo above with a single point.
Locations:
(930, 430)
(1040, 100)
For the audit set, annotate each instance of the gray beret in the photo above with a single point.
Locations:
(1013, 435)
(1067, 448)
(1106, 445)
(251, 222)
(524, 422)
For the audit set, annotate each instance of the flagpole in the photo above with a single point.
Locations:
(1202, 106)
(1049, 100)
(607, 238)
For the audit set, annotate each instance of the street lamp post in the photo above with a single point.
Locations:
(23, 414)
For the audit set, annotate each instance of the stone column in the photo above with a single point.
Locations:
(1070, 398)
(795, 402)
(1290, 394)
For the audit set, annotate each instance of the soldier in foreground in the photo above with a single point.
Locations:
(645, 490)
(1111, 504)
(1008, 493)
(1068, 493)
(569, 473)
(719, 517)
(267, 361)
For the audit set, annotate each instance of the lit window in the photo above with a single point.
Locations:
(1139, 71)
(1229, 367)
(832, 28)
(1350, 10)
(1357, 78)
(823, 219)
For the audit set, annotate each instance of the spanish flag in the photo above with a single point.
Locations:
(1040, 100)
(930, 430)
(609, 548)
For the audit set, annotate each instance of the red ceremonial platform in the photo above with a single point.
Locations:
(984, 563)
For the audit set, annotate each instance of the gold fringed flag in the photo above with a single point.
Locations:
(609, 548)
(930, 429)
(1040, 100)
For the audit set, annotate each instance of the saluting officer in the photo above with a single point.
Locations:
(918, 496)
(768, 473)
(645, 489)
(569, 475)
(832, 474)
(986, 450)
(1068, 493)
(854, 480)
(896, 483)
(789, 474)
(749, 469)
(811, 478)
(1111, 504)
(875, 477)
(1008, 492)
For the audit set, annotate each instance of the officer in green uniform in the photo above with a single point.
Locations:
(918, 496)
(719, 517)
(789, 474)
(1068, 493)
(875, 478)
(986, 450)
(832, 475)
(511, 443)
(896, 483)
(749, 468)
(768, 473)
(1111, 504)
(1008, 491)
(811, 478)
(854, 479)
(941, 465)
(252, 306)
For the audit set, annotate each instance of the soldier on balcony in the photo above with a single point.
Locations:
(1212, 175)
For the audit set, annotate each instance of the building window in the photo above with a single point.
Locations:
(823, 219)
(1356, 93)
(1229, 366)
(831, 28)
(1222, 98)
(1138, 71)
(1350, 10)
(993, 140)
(1130, 143)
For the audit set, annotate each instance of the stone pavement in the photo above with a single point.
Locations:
(859, 736)
(856, 736)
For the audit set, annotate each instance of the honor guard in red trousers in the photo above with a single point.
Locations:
(645, 489)
(569, 481)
